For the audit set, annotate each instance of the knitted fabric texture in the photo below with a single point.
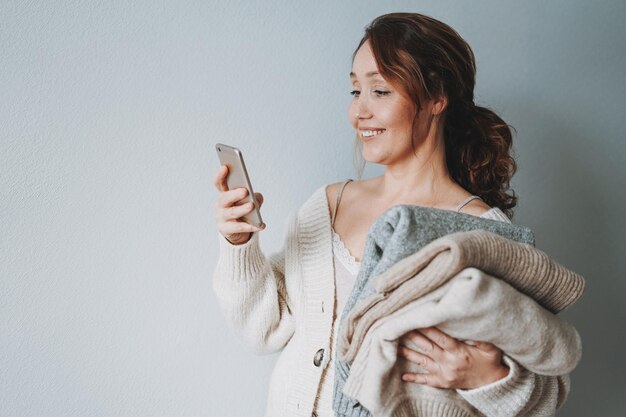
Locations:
(472, 305)
(400, 232)
(526, 268)
(284, 302)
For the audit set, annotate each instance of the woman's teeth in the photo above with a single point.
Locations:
(370, 133)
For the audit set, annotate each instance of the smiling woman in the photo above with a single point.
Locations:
(417, 74)
(413, 111)
(380, 112)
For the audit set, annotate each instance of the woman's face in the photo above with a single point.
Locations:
(382, 116)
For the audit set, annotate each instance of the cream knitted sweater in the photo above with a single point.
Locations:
(285, 302)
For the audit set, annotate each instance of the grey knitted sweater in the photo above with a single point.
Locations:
(397, 233)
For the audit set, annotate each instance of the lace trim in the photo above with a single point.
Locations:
(343, 254)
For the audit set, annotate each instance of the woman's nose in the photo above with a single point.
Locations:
(362, 109)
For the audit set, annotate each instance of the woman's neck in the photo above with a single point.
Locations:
(422, 177)
(428, 186)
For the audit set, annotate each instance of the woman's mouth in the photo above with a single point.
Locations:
(368, 133)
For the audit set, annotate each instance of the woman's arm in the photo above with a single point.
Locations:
(250, 289)
(520, 393)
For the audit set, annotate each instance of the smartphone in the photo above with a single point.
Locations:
(238, 178)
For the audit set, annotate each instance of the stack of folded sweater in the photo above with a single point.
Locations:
(475, 279)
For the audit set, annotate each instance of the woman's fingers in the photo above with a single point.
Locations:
(236, 212)
(418, 358)
(220, 178)
(231, 197)
(425, 379)
(228, 197)
(230, 208)
(450, 363)
(431, 380)
(440, 338)
(259, 198)
(423, 344)
(485, 346)
(231, 228)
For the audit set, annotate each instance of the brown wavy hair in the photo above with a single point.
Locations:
(428, 59)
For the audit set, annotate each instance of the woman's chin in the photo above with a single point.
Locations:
(373, 157)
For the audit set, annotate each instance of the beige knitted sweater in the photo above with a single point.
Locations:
(284, 302)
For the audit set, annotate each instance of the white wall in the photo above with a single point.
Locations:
(108, 118)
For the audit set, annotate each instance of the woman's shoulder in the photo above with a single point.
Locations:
(476, 207)
(332, 190)
(356, 188)
(479, 208)
(319, 205)
(363, 188)
(321, 198)
(495, 213)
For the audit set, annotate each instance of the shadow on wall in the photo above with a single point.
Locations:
(577, 220)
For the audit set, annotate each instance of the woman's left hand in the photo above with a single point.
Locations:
(450, 363)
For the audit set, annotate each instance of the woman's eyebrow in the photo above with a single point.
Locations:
(367, 74)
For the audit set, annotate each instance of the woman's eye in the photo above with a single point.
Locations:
(378, 93)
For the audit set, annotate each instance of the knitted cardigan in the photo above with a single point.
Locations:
(476, 307)
(285, 302)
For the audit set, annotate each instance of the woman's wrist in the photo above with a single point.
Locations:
(240, 241)
(498, 373)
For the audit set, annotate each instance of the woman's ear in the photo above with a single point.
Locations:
(439, 105)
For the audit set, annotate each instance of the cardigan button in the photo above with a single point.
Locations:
(319, 356)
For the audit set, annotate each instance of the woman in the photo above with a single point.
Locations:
(413, 111)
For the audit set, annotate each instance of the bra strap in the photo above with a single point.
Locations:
(467, 200)
(332, 222)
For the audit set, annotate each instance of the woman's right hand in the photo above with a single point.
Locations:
(230, 209)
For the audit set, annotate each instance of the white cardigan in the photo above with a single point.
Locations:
(285, 302)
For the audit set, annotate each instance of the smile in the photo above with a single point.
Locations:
(370, 133)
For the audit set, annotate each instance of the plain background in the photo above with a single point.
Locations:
(109, 113)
